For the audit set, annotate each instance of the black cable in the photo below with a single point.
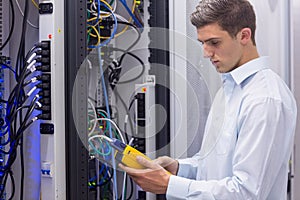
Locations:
(14, 102)
(134, 43)
(20, 131)
(13, 115)
(32, 106)
(19, 134)
(138, 38)
(16, 94)
(3, 101)
(116, 71)
(137, 58)
(12, 25)
(20, 92)
(132, 101)
(14, 105)
(21, 51)
(125, 133)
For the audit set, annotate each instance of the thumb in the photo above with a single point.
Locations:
(164, 161)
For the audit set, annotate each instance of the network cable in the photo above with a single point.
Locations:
(114, 30)
(100, 123)
(131, 14)
(120, 63)
(16, 121)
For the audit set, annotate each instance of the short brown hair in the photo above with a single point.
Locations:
(231, 15)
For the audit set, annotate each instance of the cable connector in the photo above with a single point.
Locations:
(33, 80)
(44, 108)
(44, 45)
(43, 85)
(31, 64)
(34, 119)
(31, 91)
(43, 60)
(45, 78)
(43, 52)
(31, 58)
(44, 93)
(45, 101)
(43, 68)
(38, 104)
(44, 116)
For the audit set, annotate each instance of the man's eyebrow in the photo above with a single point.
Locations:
(208, 40)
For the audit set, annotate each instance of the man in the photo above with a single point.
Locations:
(245, 155)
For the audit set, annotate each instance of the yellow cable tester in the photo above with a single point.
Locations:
(127, 154)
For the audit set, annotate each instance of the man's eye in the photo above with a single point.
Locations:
(214, 43)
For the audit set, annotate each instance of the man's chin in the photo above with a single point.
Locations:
(219, 70)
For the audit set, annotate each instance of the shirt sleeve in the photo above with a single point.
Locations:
(188, 167)
(265, 135)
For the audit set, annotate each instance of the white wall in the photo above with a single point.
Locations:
(272, 35)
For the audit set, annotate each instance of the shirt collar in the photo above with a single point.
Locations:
(244, 71)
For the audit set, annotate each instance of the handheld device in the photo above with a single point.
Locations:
(127, 154)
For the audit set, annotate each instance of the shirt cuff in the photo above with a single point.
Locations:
(186, 169)
(178, 187)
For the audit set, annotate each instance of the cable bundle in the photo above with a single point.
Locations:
(20, 106)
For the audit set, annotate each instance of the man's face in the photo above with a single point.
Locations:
(224, 52)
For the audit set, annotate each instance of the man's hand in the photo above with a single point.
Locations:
(170, 164)
(153, 179)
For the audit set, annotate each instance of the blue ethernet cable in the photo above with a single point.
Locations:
(100, 172)
(107, 108)
(109, 125)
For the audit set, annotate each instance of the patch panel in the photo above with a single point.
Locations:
(45, 78)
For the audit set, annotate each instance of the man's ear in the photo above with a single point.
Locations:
(245, 35)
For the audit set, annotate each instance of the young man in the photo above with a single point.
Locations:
(244, 155)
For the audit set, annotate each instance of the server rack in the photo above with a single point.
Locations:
(75, 53)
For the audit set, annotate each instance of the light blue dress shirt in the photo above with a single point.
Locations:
(247, 142)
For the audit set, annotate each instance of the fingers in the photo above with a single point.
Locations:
(159, 161)
(150, 179)
(128, 170)
(147, 163)
(168, 163)
(164, 161)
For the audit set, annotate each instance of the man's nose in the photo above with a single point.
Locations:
(207, 52)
